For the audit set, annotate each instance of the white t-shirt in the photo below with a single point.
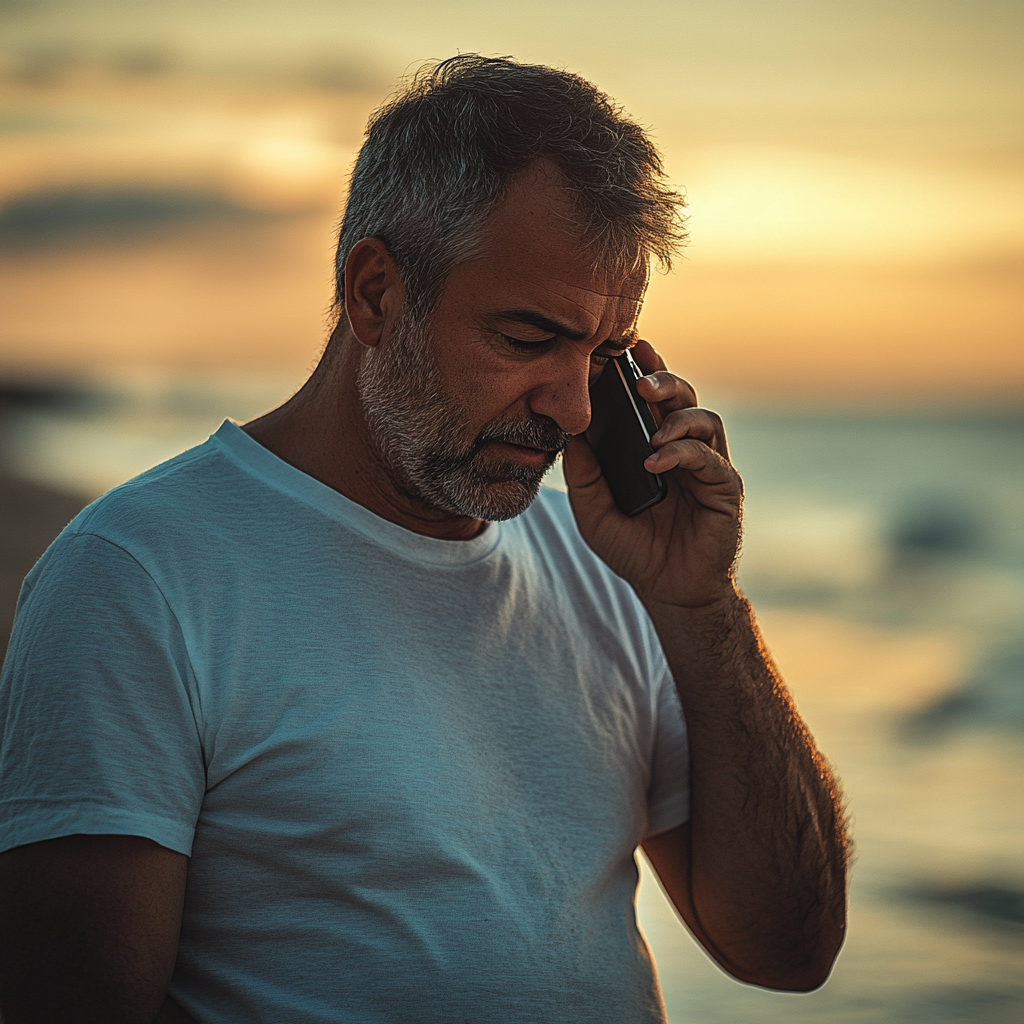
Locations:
(411, 774)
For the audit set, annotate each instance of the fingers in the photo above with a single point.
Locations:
(699, 424)
(659, 388)
(695, 457)
(666, 392)
(674, 403)
(713, 481)
(646, 357)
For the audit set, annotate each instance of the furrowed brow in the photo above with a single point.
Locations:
(543, 323)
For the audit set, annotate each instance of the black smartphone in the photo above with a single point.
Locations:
(620, 432)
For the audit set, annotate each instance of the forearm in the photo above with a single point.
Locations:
(767, 863)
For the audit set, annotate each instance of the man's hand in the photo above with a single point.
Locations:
(88, 929)
(759, 871)
(681, 551)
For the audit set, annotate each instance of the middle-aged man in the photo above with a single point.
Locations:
(332, 718)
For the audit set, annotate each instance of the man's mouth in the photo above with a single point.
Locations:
(527, 455)
(535, 442)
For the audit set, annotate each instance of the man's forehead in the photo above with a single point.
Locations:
(534, 240)
(531, 266)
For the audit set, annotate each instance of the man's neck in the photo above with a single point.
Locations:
(321, 430)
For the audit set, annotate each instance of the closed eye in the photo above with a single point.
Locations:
(526, 346)
(599, 356)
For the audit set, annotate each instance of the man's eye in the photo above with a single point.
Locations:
(526, 346)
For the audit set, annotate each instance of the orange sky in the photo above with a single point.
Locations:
(857, 215)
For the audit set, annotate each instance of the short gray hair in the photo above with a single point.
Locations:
(442, 153)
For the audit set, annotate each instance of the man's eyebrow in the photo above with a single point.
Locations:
(532, 318)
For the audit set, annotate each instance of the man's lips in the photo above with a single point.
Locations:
(526, 454)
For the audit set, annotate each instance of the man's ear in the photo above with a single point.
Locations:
(373, 290)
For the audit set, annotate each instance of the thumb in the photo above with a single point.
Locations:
(587, 486)
(579, 465)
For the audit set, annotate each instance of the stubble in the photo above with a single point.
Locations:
(425, 440)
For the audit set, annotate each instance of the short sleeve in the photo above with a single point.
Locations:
(668, 799)
(99, 720)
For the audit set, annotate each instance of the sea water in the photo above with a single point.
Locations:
(884, 552)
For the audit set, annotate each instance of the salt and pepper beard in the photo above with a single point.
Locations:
(424, 437)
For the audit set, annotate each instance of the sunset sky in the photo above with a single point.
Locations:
(855, 176)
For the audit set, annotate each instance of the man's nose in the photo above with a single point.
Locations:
(565, 398)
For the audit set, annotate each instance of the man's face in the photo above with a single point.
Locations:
(470, 409)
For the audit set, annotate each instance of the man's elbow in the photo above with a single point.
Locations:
(805, 971)
(803, 979)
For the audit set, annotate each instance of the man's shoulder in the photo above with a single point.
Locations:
(174, 523)
(175, 490)
(185, 510)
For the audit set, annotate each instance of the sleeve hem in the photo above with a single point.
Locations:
(667, 815)
(97, 821)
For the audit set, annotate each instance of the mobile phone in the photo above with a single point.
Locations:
(620, 432)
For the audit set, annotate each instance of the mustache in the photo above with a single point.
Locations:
(537, 432)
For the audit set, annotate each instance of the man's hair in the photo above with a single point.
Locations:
(442, 153)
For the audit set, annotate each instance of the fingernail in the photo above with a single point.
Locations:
(655, 457)
(653, 381)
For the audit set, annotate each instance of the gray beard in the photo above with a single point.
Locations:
(424, 440)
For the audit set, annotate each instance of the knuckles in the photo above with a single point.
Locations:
(702, 424)
(667, 387)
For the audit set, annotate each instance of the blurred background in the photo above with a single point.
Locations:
(171, 174)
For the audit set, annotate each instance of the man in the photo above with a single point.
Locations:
(329, 719)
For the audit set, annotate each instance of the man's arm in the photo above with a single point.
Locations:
(88, 929)
(759, 872)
